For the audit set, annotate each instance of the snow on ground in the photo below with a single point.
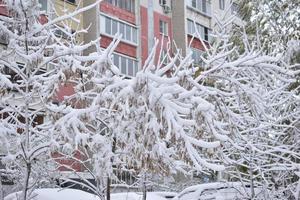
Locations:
(139, 196)
(72, 194)
(56, 194)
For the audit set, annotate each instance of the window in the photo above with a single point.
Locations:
(126, 65)
(202, 31)
(43, 4)
(14, 75)
(112, 26)
(128, 33)
(196, 55)
(234, 8)
(164, 58)
(18, 120)
(3, 38)
(163, 27)
(200, 5)
(128, 5)
(194, 3)
(63, 33)
(108, 25)
(205, 34)
(71, 1)
(204, 9)
(191, 27)
(222, 4)
(162, 2)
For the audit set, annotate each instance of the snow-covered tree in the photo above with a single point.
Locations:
(257, 110)
(169, 118)
(148, 123)
(33, 66)
(276, 22)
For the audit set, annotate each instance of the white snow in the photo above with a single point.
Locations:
(72, 194)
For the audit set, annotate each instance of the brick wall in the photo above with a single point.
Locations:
(161, 37)
(123, 48)
(196, 43)
(144, 34)
(117, 12)
(3, 10)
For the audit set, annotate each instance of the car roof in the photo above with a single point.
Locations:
(206, 186)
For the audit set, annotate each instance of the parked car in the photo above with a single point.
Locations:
(218, 191)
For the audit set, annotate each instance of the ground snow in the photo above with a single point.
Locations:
(72, 194)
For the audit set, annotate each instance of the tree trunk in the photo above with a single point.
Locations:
(26, 181)
(1, 189)
(252, 176)
(144, 187)
(108, 189)
(108, 183)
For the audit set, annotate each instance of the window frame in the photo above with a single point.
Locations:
(204, 31)
(199, 54)
(130, 37)
(222, 4)
(125, 70)
(198, 5)
(163, 27)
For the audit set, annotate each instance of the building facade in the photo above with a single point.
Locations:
(175, 23)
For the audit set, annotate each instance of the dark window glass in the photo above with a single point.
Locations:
(204, 6)
(136, 69)
(128, 33)
(134, 35)
(116, 60)
(205, 34)
(43, 4)
(108, 25)
(122, 30)
(194, 4)
(199, 2)
(123, 65)
(222, 4)
(71, 1)
(114, 27)
(130, 67)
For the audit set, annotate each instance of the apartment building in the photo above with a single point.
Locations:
(195, 20)
(177, 23)
(139, 22)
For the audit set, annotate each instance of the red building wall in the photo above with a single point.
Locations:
(117, 12)
(123, 48)
(167, 40)
(162, 38)
(3, 10)
(196, 43)
(144, 34)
